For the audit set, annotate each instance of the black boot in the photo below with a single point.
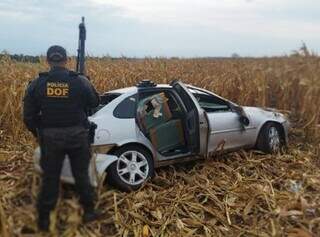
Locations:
(43, 222)
(90, 215)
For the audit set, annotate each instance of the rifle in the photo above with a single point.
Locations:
(80, 68)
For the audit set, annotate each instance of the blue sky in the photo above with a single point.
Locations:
(181, 28)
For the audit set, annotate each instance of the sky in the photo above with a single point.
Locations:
(161, 28)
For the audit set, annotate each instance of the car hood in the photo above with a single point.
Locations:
(269, 113)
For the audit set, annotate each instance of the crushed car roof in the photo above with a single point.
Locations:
(133, 89)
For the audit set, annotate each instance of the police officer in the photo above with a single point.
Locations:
(54, 110)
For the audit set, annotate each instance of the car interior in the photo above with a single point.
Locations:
(161, 118)
(210, 103)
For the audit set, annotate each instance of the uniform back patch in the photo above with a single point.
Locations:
(58, 89)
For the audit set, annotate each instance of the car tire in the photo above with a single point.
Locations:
(132, 169)
(270, 139)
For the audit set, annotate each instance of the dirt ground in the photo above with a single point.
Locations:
(238, 194)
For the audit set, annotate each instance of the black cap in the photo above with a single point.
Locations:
(56, 54)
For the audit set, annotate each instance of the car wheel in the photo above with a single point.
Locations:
(131, 170)
(269, 140)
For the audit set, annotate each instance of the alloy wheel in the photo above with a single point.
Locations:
(274, 139)
(132, 167)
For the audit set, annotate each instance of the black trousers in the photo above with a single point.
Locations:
(55, 143)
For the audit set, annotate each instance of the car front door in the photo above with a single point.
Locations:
(225, 129)
(196, 120)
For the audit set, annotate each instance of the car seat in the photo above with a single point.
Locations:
(164, 132)
(167, 136)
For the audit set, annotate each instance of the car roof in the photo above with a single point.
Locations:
(133, 89)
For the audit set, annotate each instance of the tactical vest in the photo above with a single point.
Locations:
(60, 97)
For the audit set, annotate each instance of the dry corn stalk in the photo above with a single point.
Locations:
(244, 193)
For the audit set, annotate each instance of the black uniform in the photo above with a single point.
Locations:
(55, 106)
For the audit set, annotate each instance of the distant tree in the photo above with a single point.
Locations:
(302, 51)
(235, 55)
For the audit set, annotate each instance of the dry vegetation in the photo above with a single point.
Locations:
(239, 194)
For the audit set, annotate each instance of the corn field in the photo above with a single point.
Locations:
(239, 194)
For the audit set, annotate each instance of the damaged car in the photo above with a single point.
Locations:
(147, 126)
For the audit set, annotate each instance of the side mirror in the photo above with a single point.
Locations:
(244, 120)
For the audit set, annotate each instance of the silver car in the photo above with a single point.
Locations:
(144, 127)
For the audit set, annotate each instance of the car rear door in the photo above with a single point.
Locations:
(196, 120)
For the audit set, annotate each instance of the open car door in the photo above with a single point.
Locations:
(196, 121)
(160, 119)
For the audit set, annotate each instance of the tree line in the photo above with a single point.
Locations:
(20, 57)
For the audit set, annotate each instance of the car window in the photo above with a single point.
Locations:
(105, 99)
(211, 103)
(126, 108)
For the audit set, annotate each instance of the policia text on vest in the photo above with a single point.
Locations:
(57, 89)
